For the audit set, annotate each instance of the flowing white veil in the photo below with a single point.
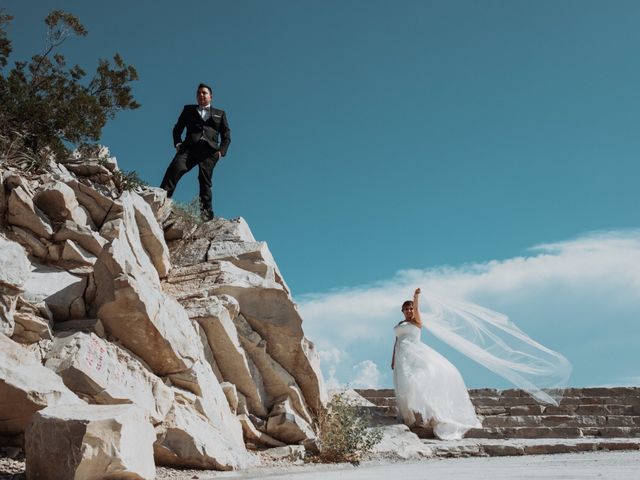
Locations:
(492, 340)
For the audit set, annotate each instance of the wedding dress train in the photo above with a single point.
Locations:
(429, 389)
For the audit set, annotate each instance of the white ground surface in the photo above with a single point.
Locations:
(597, 465)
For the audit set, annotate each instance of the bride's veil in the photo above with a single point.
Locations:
(493, 341)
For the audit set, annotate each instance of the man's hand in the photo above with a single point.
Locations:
(218, 154)
(178, 146)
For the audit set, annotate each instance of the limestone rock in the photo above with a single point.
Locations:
(73, 252)
(59, 202)
(223, 230)
(151, 236)
(90, 442)
(32, 244)
(159, 202)
(61, 291)
(104, 373)
(98, 154)
(26, 387)
(399, 441)
(209, 400)
(59, 172)
(8, 299)
(251, 256)
(188, 439)
(269, 310)
(82, 235)
(14, 179)
(231, 393)
(88, 168)
(130, 303)
(86, 325)
(278, 382)
(292, 453)
(14, 271)
(14, 264)
(255, 436)
(96, 203)
(190, 242)
(213, 316)
(30, 328)
(287, 425)
(23, 213)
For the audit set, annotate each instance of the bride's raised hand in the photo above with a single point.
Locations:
(416, 308)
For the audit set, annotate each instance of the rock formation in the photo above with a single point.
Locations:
(142, 334)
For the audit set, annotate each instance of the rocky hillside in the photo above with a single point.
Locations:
(131, 336)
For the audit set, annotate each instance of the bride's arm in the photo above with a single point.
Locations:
(416, 308)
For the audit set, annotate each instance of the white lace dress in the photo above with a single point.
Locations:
(429, 389)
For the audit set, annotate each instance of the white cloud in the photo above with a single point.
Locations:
(580, 297)
(329, 360)
(366, 375)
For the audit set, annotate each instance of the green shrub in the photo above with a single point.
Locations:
(190, 212)
(125, 180)
(345, 435)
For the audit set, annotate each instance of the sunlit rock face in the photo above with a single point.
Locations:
(118, 311)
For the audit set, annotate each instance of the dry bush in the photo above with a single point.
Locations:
(345, 435)
(190, 213)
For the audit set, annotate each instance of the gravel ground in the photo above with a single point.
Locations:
(578, 466)
(592, 465)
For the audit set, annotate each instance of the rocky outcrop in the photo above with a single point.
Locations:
(90, 441)
(104, 373)
(14, 271)
(26, 387)
(118, 312)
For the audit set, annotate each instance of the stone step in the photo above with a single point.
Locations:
(614, 415)
(468, 447)
(553, 432)
(373, 393)
(561, 421)
(590, 395)
(510, 407)
(568, 392)
(510, 401)
(592, 410)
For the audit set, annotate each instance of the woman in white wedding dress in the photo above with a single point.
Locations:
(429, 389)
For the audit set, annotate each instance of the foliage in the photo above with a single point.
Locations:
(13, 152)
(125, 180)
(190, 213)
(344, 432)
(46, 106)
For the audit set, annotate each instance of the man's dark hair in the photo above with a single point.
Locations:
(203, 85)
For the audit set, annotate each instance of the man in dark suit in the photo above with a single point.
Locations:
(205, 127)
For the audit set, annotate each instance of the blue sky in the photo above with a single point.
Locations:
(373, 137)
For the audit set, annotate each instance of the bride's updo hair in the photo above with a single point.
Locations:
(407, 304)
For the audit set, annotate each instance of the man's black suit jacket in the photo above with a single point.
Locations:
(211, 130)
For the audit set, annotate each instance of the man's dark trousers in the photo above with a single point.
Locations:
(202, 155)
(199, 147)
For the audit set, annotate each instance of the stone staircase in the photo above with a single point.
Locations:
(513, 423)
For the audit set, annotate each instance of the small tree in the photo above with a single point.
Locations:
(345, 435)
(45, 107)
